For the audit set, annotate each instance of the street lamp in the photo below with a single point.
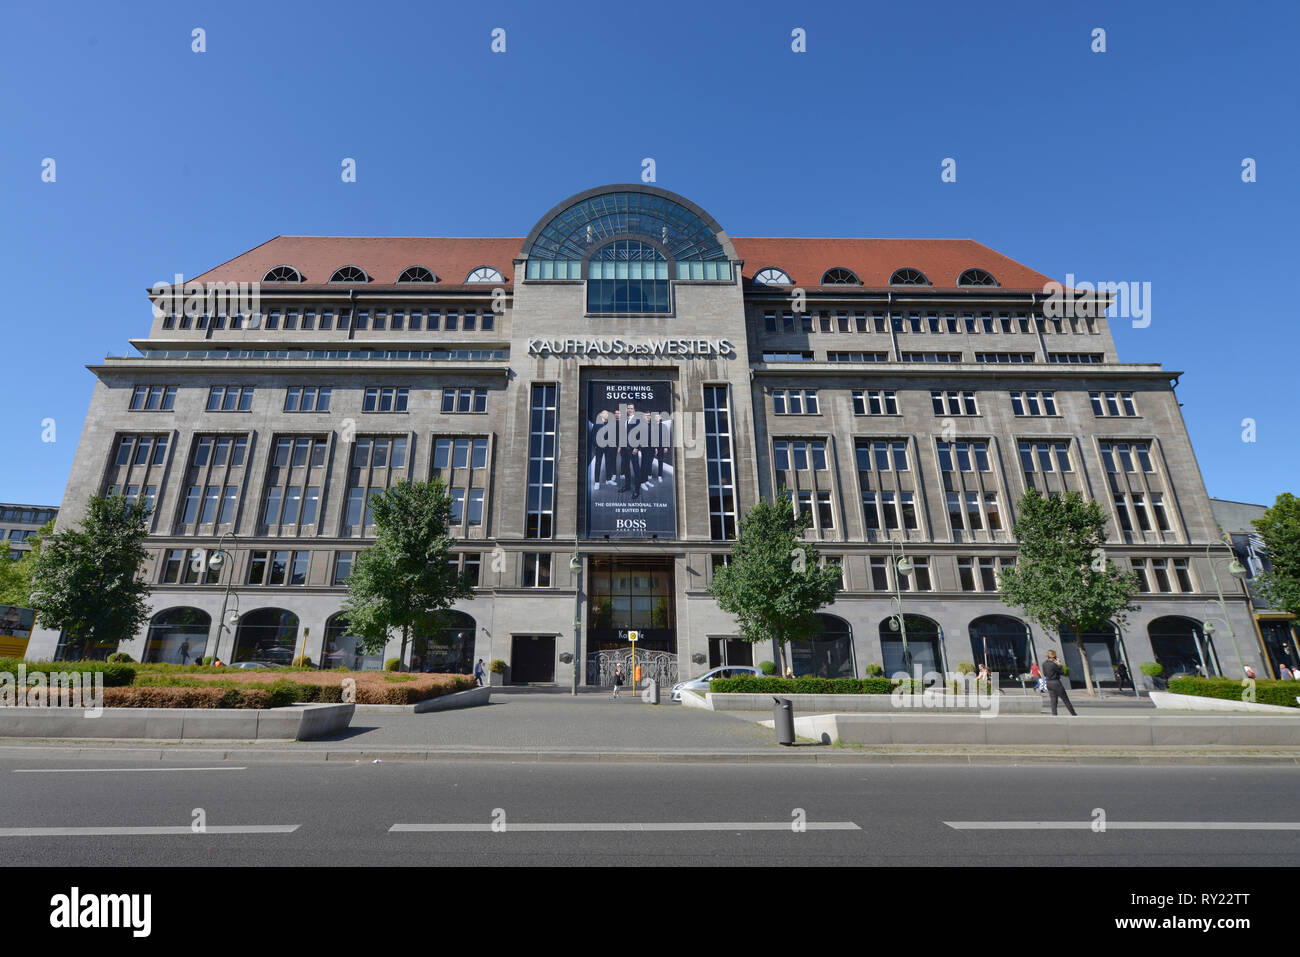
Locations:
(216, 561)
(1237, 571)
(904, 567)
(575, 566)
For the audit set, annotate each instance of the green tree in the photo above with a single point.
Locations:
(774, 583)
(16, 573)
(406, 579)
(1280, 530)
(86, 581)
(1062, 577)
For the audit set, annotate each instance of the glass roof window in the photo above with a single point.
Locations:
(627, 276)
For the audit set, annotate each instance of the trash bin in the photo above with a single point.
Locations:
(783, 720)
(650, 694)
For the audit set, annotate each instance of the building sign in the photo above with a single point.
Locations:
(15, 630)
(629, 455)
(618, 346)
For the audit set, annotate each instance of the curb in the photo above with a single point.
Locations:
(805, 755)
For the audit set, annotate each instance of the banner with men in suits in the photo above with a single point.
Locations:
(629, 456)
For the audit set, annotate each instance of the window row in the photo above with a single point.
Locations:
(327, 320)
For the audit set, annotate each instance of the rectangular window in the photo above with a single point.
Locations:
(384, 399)
(794, 402)
(537, 569)
(230, 398)
(879, 575)
(343, 566)
(1183, 575)
(540, 500)
(464, 400)
(1140, 569)
(718, 463)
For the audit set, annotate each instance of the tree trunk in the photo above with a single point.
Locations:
(401, 658)
(1087, 668)
(780, 658)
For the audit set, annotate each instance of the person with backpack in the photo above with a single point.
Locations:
(1052, 672)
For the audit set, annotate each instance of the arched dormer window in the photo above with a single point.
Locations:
(772, 276)
(627, 276)
(976, 277)
(485, 274)
(282, 274)
(349, 274)
(908, 277)
(840, 276)
(417, 274)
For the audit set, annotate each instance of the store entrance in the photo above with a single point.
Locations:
(630, 594)
(532, 659)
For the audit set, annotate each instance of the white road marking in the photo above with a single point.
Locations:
(631, 826)
(105, 770)
(1124, 825)
(146, 831)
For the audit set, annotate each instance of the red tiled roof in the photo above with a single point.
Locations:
(451, 259)
(383, 258)
(874, 260)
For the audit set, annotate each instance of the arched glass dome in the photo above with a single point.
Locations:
(689, 240)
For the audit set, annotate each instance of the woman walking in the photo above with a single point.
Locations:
(618, 678)
(1052, 672)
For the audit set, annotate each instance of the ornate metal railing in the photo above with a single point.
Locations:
(659, 665)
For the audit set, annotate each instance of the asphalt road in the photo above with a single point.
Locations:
(331, 813)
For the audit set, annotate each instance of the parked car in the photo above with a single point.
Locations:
(700, 685)
(255, 664)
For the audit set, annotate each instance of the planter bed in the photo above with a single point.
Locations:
(448, 702)
(294, 723)
(873, 703)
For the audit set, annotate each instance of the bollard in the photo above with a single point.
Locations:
(783, 720)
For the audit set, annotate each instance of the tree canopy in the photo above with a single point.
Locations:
(1062, 577)
(16, 573)
(408, 577)
(1280, 529)
(86, 581)
(774, 582)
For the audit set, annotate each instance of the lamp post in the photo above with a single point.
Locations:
(1238, 571)
(575, 566)
(216, 561)
(903, 566)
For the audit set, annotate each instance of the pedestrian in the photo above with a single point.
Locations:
(983, 677)
(789, 672)
(479, 671)
(1250, 672)
(1121, 676)
(1052, 671)
(618, 679)
(1040, 683)
(1285, 673)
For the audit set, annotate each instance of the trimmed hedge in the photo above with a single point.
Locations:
(755, 685)
(187, 697)
(116, 674)
(1267, 691)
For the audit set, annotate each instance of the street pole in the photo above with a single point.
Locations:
(575, 565)
(1236, 570)
(902, 567)
(230, 580)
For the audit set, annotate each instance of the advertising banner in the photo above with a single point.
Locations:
(629, 456)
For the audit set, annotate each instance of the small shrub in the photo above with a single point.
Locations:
(302, 661)
(965, 668)
(767, 667)
(497, 666)
(392, 664)
(120, 658)
(1152, 669)
(806, 685)
(875, 670)
(1267, 691)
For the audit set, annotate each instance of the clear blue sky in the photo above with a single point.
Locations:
(1120, 166)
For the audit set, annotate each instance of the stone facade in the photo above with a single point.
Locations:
(769, 351)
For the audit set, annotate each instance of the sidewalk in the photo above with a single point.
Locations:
(521, 726)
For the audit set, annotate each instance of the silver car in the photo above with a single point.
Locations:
(700, 685)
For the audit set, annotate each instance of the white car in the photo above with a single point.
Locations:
(700, 685)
